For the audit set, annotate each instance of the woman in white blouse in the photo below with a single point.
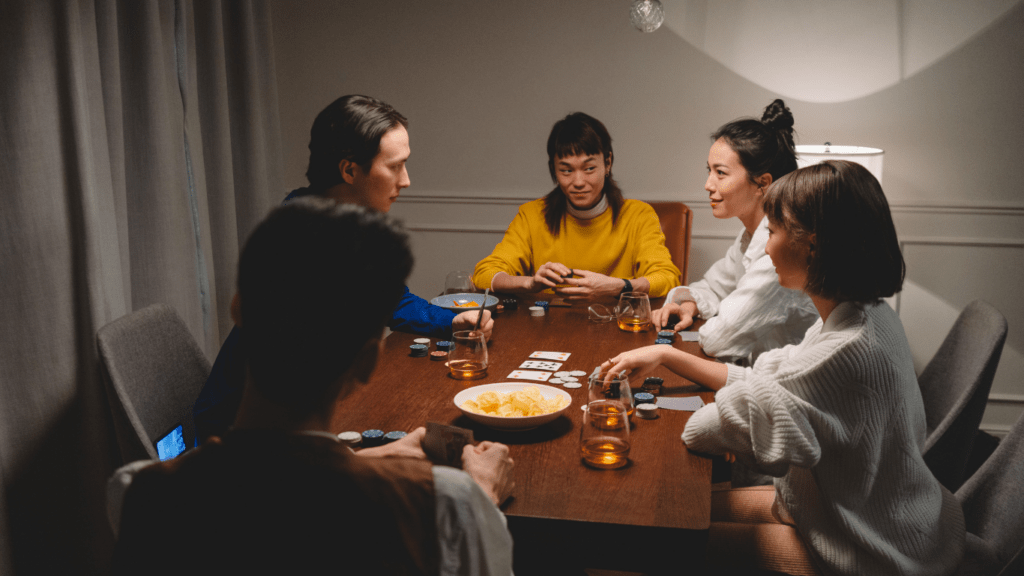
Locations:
(747, 311)
(837, 419)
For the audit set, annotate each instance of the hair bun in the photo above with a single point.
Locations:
(777, 116)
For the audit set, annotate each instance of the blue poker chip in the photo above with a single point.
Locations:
(373, 438)
(444, 345)
(643, 398)
(394, 435)
(418, 350)
(667, 334)
(663, 341)
(542, 303)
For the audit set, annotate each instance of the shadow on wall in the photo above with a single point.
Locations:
(854, 48)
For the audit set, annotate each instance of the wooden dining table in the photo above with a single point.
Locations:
(650, 516)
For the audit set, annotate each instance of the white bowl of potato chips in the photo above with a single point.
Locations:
(512, 405)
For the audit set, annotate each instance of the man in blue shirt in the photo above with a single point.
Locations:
(358, 148)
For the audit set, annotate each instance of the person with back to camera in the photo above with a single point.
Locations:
(747, 311)
(838, 419)
(358, 148)
(278, 493)
(583, 240)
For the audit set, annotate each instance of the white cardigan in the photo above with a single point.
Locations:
(839, 420)
(747, 311)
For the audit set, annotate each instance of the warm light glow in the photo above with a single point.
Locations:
(870, 158)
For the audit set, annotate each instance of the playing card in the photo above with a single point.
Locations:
(689, 336)
(559, 356)
(687, 404)
(443, 444)
(530, 375)
(541, 365)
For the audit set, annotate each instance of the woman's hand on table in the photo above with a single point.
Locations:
(489, 464)
(409, 447)
(594, 285)
(639, 360)
(685, 311)
(467, 321)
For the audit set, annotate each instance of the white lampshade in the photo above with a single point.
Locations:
(870, 158)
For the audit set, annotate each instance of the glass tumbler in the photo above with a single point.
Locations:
(468, 359)
(634, 312)
(459, 282)
(616, 387)
(604, 436)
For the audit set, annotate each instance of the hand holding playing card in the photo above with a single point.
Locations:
(491, 466)
(443, 444)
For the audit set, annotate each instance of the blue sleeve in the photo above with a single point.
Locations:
(416, 315)
(215, 410)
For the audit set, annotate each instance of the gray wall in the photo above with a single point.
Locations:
(482, 82)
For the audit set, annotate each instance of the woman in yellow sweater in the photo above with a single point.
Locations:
(583, 240)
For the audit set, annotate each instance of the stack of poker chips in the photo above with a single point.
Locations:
(351, 439)
(510, 303)
(644, 398)
(373, 438)
(646, 405)
(537, 310)
(418, 350)
(652, 385)
(543, 304)
(394, 435)
(665, 337)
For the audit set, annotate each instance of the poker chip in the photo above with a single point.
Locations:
(394, 435)
(652, 384)
(511, 303)
(542, 303)
(562, 373)
(444, 345)
(422, 340)
(555, 380)
(572, 385)
(418, 350)
(667, 334)
(647, 411)
(663, 341)
(438, 355)
(577, 373)
(644, 398)
(570, 379)
(537, 310)
(373, 438)
(351, 438)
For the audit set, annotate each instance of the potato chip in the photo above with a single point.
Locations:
(527, 402)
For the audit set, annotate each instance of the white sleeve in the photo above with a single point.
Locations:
(472, 532)
(759, 421)
(756, 306)
(718, 282)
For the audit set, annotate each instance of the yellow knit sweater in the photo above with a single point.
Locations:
(634, 247)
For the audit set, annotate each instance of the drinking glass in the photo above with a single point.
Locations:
(459, 282)
(604, 436)
(614, 388)
(468, 359)
(634, 312)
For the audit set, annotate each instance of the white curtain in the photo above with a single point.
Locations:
(139, 145)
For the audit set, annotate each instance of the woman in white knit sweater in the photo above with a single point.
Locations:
(837, 419)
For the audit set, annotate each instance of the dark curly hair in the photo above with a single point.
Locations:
(764, 146)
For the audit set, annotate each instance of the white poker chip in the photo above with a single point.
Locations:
(577, 373)
(572, 385)
(570, 379)
(554, 380)
(422, 340)
(562, 374)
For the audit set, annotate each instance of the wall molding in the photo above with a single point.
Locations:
(959, 241)
(701, 203)
(1006, 398)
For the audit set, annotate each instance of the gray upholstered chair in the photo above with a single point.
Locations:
(994, 508)
(955, 386)
(154, 371)
(676, 222)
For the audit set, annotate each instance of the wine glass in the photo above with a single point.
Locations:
(459, 282)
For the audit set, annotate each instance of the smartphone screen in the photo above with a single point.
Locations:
(172, 444)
